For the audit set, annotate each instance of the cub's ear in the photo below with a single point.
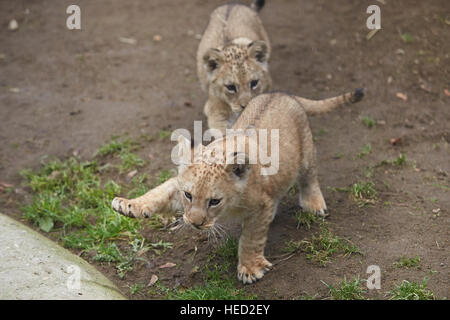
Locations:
(182, 153)
(259, 51)
(212, 59)
(238, 165)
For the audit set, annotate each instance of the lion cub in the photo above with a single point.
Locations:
(220, 185)
(232, 65)
(232, 62)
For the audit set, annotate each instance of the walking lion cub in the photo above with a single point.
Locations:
(218, 181)
(233, 65)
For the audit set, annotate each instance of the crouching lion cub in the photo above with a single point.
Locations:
(218, 184)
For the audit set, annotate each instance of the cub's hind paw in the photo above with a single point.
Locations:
(251, 272)
(314, 205)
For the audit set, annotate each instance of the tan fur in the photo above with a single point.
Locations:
(245, 194)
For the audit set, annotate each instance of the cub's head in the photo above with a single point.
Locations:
(209, 189)
(238, 72)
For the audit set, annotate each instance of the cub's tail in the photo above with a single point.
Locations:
(313, 107)
(257, 5)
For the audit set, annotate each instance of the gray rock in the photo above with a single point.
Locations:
(34, 267)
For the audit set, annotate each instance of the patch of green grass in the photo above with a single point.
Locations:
(305, 219)
(441, 186)
(368, 172)
(163, 134)
(368, 121)
(322, 246)
(164, 175)
(307, 296)
(108, 253)
(129, 161)
(405, 262)
(139, 186)
(322, 132)
(407, 37)
(217, 284)
(292, 246)
(123, 149)
(411, 291)
(364, 193)
(160, 247)
(72, 200)
(400, 161)
(117, 146)
(365, 150)
(338, 155)
(347, 290)
(136, 288)
(228, 251)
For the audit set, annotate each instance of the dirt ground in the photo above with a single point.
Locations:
(65, 91)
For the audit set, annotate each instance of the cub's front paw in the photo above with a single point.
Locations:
(249, 272)
(129, 208)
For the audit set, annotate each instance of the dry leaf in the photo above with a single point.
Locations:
(402, 96)
(6, 185)
(131, 174)
(447, 93)
(167, 265)
(153, 280)
(395, 141)
(425, 87)
(371, 34)
(157, 37)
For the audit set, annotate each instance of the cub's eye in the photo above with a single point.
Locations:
(231, 88)
(254, 84)
(214, 202)
(188, 196)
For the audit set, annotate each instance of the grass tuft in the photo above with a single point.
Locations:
(405, 262)
(347, 290)
(411, 291)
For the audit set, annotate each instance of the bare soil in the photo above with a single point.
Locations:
(76, 89)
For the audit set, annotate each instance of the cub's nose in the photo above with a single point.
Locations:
(198, 225)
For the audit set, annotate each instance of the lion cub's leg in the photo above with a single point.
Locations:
(164, 198)
(252, 263)
(311, 198)
(218, 114)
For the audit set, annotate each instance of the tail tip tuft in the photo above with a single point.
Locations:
(358, 94)
(257, 5)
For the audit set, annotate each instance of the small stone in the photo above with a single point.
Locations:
(131, 41)
(157, 38)
(13, 25)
